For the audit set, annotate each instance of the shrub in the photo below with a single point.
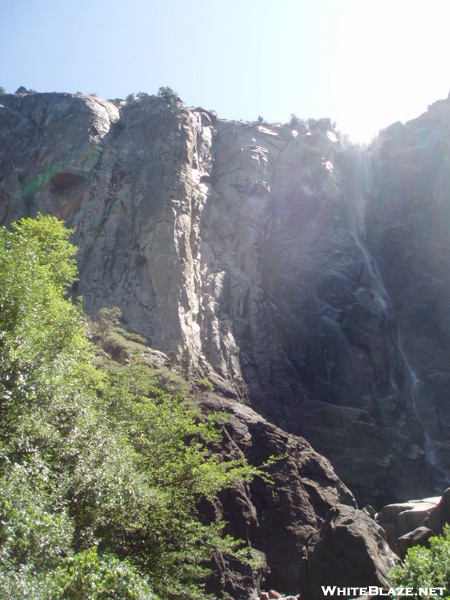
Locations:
(168, 95)
(205, 384)
(321, 125)
(108, 318)
(100, 577)
(186, 362)
(119, 123)
(426, 567)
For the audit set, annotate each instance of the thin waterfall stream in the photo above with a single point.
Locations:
(418, 392)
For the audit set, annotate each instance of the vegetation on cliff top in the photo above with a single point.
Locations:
(101, 470)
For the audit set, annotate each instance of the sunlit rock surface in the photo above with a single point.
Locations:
(307, 279)
(413, 522)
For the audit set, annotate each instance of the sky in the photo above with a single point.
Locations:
(362, 63)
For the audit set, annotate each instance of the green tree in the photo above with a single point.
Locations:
(321, 125)
(101, 471)
(297, 123)
(175, 445)
(426, 567)
(108, 318)
(186, 362)
(168, 94)
(98, 577)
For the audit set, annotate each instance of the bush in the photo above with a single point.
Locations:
(205, 384)
(426, 567)
(104, 577)
(321, 125)
(168, 95)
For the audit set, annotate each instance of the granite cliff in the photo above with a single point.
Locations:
(307, 278)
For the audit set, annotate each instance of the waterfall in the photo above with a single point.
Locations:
(421, 398)
(356, 194)
(356, 201)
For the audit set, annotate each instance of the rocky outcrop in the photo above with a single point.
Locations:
(338, 559)
(304, 524)
(411, 523)
(304, 278)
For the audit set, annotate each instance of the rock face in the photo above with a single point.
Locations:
(305, 523)
(410, 523)
(409, 237)
(306, 279)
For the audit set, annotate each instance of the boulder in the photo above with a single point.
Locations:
(410, 523)
(339, 557)
(402, 518)
(419, 536)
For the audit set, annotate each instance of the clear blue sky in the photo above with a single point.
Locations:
(362, 63)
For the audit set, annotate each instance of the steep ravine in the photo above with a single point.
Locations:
(309, 280)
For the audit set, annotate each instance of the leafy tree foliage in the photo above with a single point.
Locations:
(426, 567)
(297, 123)
(312, 125)
(101, 470)
(321, 125)
(168, 94)
(108, 318)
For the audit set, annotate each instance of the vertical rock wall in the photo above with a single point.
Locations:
(307, 279)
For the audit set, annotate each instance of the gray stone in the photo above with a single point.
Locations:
(419, 536)
(410, 523)
(338, 558)
(404, 517)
